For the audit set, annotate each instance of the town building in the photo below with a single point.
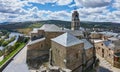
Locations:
(60, 47)
(107, 45)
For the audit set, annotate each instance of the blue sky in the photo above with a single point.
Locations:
(33, 10)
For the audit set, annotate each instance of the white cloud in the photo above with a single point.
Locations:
(73, 5)
(64, 2)
(116, 4)
(59, 15)
(58, 2)
(35, 14)
(92, 3)
(100, 14)
(11, 6)
(89, 10)
(42, 1)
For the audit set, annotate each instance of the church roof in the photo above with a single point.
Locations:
(50, 27)
(67, 40)
(75, 32)
(36, 41)
(87, 44)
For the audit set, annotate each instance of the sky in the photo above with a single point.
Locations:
(34, 10)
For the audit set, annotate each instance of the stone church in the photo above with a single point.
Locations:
(61, 47)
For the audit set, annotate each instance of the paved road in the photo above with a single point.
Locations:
(18, 64)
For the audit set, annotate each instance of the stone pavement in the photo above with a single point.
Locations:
(105, 66)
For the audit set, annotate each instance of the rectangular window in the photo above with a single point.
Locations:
(77, 55)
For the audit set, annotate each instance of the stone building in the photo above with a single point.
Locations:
(107, 46)
(66, 51)
(69, 52)
(75, 24)
(76, 53)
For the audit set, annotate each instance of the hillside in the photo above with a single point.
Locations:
(67, 24)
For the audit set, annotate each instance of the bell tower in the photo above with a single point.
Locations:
(75, 24)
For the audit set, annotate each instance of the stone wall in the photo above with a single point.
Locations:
(116, 64)
(49, 36)
(37, 35)
(67, 57)
(74, 56)
(104, 52)
(37, 53)
(89, 53)
(34, 50)
(33, 36)
(58, 53)
(105, 37)
(95, 36)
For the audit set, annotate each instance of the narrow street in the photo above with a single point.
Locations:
(106, 66)
(18, 64)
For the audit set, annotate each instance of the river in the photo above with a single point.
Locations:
(12, 34)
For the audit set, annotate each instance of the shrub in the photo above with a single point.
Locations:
(5, 43)
(1, 41)
(1, 53)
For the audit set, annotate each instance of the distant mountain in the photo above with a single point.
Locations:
(67, 24)
(5, 23)
(17, 25)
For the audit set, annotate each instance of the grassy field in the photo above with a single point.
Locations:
(25, 30)
(37, 25)
(11, 54)
(28, 29)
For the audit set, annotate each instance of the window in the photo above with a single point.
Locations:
(116, 58)
(41, 45)
(102, 44)
(77, 55)
(98, 47)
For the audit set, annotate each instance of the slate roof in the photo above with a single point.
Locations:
(87, 44)
(67, 40)
(50, 27)
(113, 39)
(109, 33)
(36, 41)
(75, 32)
(109, 44)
